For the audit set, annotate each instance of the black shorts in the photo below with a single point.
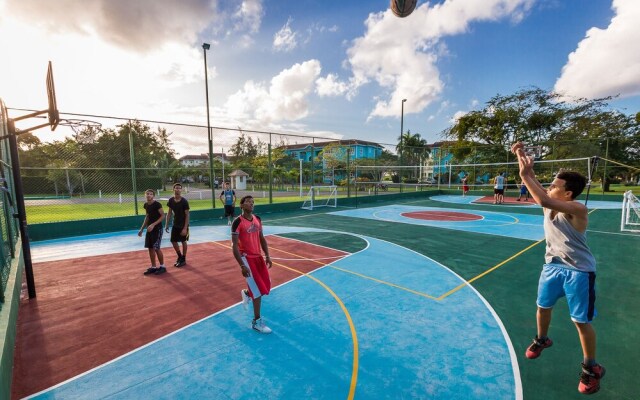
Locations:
(152, 239)
(498, 191)
(177, 237)
(229, 211)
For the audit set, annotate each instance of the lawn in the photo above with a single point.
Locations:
(37, 214)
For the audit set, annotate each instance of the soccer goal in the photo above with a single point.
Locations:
(630, 221)
(320, 196)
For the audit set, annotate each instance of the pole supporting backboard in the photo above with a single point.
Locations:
(21, 215)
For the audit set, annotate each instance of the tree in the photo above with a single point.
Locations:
(563, 129)
(413, 149)
(245, 149)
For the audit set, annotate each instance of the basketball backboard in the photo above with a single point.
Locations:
(54, 115)
(533, 152)
(52, 110)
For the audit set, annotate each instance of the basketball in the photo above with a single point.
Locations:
(402, 8)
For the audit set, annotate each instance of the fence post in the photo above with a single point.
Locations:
(349, 176)
(270, 173)
(21, 215)
(133, 170)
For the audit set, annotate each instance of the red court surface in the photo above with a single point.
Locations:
(511, 201)
(442, 216)
(91, 310)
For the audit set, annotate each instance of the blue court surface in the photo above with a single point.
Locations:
(456, 199)
(514, 225)
(362, 327)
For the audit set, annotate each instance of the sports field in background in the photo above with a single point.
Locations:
(428, 297)
(42, 210)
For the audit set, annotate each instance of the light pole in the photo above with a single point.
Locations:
(300, 159)
(401, 140)
(205, 47)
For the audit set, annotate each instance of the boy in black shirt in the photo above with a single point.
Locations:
(179, 207)
(153, 223)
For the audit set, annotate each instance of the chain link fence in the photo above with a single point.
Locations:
(8, 224)
(96, 172)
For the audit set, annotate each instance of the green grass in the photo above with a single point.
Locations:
(37, 214)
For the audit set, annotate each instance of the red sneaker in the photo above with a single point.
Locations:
(536, 347)
(590, 379)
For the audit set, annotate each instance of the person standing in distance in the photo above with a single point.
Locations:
(498, 188)
(570, 268)
(248, 245)
(179, 208)
(465, 185)
(229, 201)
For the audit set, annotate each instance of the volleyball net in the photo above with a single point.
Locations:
(385, 178)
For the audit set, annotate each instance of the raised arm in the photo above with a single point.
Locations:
(540, 194)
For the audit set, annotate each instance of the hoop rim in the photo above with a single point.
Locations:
(74, 123)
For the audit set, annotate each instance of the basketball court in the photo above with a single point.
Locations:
(430, 297)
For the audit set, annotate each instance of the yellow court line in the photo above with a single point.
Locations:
(384, 282)
(360, 275)
(450, 292)
(352, 328)
(303, 258)
(354, 370)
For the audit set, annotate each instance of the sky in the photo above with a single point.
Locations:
(326, 68)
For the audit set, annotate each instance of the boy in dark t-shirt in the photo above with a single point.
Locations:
(179, 207)
(153, 223)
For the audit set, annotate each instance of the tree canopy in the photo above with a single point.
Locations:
(564, 129)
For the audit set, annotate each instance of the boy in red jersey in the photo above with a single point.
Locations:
(248, 241)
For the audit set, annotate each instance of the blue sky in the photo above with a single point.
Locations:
(318, 67)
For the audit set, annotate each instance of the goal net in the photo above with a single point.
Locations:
(320, 196)
(630, 213)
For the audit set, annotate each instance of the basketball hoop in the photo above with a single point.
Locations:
(533, 152)
(77, 125)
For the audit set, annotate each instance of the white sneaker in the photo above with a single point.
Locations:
(245, 299)
(260, 326)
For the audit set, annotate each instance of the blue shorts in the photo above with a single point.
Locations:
(579, 287)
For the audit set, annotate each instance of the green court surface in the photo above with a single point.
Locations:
(505, 271)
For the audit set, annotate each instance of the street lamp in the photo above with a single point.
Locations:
(205, 47)
(401, 139)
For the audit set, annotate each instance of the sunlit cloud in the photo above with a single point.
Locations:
(401, 55)
(141, 25)
(285, 39)
(605, 62)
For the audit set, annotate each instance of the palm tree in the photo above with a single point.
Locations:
(413, 148)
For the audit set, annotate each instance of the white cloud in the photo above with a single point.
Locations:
(285, 39)
(457, 116)
(249, 16)
(606, 62)
(141, 25)
(331, 86)
(406, 68)
(284, 99)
